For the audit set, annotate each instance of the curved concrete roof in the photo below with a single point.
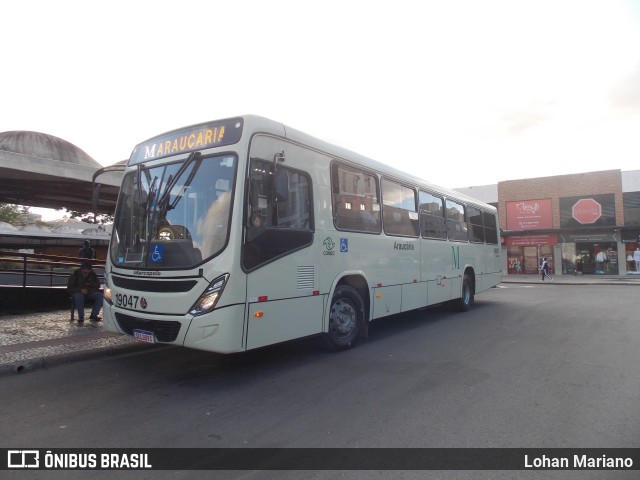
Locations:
(42, 145)
(41, 170)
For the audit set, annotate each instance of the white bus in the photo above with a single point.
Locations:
(243, 232)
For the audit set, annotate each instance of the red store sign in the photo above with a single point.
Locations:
(586, 210)
(529, 215)
(531, 240)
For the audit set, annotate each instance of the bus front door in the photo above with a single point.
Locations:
(282, 290)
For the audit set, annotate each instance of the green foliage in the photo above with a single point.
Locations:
(89, 217)
(13, 214)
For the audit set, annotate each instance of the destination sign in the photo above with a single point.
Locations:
(189, 139)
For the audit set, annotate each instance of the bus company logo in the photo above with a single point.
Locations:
(403, 246)
(147, 273)
(528, 208)
(329, 245)
(23, 459)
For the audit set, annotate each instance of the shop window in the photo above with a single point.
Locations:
(631, 201)
(515, 260)
(633, 258)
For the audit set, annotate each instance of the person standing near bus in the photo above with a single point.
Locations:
(87, 251)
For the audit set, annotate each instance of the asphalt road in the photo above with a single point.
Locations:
(529, 366)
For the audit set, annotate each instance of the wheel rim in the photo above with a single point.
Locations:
(343, 317)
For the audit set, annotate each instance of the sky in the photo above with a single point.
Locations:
(460, 93)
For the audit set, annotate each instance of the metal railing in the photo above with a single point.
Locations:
(37, 269)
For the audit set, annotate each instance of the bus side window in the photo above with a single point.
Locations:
(355, 199)
(456, 224)
(490, 228)
(476, 227)
(432, 221)
(279, 214)
(399, 209)
(260, 210)
(293, 197)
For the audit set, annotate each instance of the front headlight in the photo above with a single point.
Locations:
(210, 296)
(107, 289)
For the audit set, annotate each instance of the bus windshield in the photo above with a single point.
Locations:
(174, 215)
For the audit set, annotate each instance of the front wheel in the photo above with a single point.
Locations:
(346, 317)
(464, 303)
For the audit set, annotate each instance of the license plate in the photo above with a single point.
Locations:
(144, 336)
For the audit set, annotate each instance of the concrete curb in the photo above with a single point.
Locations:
(31, 364)
(567, 282)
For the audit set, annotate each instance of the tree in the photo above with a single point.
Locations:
(90, 217)
(13, 214)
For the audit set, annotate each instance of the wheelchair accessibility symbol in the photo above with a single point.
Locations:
(344, 245)
(157, 254)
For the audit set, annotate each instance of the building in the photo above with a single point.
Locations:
(41, 170)
(585, 223)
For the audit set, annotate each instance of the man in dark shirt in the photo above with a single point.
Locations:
(83, 283)
(87, 251)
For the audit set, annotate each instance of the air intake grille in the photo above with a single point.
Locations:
(305, 278)
(153, 285)
(164, 331)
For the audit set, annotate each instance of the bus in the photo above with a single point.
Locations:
(240, 233)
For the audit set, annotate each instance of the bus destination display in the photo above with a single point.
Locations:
(198, 137)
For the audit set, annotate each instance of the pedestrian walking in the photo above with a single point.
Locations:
(544, 270)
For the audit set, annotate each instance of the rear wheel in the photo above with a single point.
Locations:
(346, 317)
(463, 303)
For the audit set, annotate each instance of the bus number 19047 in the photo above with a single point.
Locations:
(127, 301)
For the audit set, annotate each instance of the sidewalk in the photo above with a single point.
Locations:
(42, 339)
(575, 279)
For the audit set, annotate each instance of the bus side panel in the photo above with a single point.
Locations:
(437, 270)
(487, 281)
(439, 290)
(414, 295)
(493, 272)
(386, 301)
(456, 286)
(220, 332)
(281, 320)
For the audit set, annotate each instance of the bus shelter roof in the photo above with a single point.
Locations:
(40, 170)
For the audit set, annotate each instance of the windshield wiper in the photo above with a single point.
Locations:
(173, 180)
(185, 185)
(151, 196)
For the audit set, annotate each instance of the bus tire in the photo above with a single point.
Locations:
(464, 303)
(346, 316)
